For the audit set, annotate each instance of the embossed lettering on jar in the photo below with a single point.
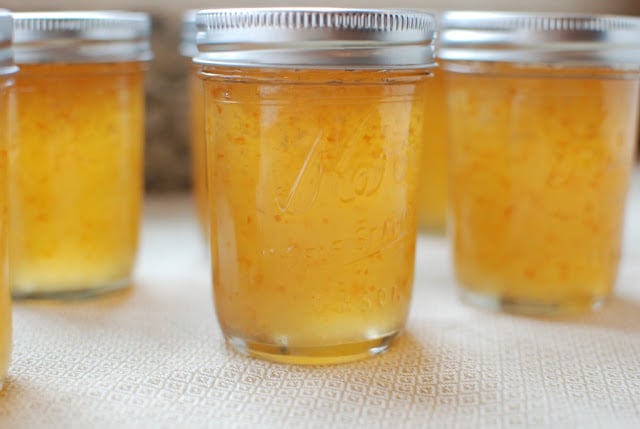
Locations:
(78, 177)
(313, 165)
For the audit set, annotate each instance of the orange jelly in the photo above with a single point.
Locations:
(5, 296)
(434, 170)
(7, 70)
(77, 176)
(188, 50)
(198, 152)
(313, 199)
(541, 167)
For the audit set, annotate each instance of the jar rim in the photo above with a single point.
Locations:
(525, 37)
(6, 53)
(312, 37)
(81, 36)
(188, 47)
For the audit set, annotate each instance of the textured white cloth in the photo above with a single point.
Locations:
(154, 357)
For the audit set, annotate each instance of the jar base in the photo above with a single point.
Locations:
(529, 308)
(326, 355)
(71, 294)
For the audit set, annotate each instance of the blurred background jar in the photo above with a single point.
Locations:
(543, 121)
(7, 72)
(433, 194)
(188, 50)
(77, 180)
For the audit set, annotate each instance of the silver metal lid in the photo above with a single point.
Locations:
(316, 38)
(81, 37)
(557, 38)
(6, 54)
(188, 47)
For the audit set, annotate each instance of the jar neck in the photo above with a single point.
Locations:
(84, 68)
(314, 76)
(554, 70)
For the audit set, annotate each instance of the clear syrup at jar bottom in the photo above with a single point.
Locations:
(531, 307)
(321, 355)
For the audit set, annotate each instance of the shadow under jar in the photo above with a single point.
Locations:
(314, 128)
(7, 72)
(77, 181)
(543, 119)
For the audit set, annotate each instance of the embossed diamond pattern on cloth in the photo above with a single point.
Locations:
(154, 357)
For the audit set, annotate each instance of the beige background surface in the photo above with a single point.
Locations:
(167, 151)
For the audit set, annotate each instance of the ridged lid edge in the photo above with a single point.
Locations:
(569, 38)
(371, 20)
(316, 37)
(82, 36)
(82, 25)
(537, 22)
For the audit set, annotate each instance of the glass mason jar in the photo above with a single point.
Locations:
(434, 168)
(7, 71)
(314, 121)
(189, 49)
(543, 112)
(77, 182)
